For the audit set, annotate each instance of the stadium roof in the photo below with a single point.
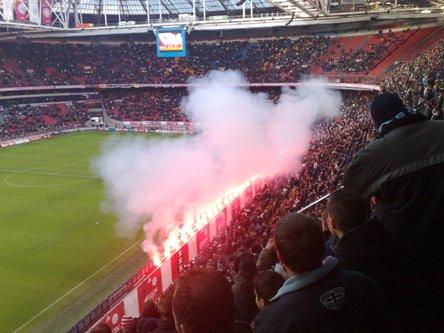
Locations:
(171, 7)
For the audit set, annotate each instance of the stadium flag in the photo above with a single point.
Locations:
(165, 271)
(34, 11)
(150, 288)
(221, 222)
(8, 12)
(113, 318)
(242, 200)
(46, 12)
(203, 237)
(236, 206)
(228, 214)
(131, 304)
(21, 13)
(192, 247)
(179, 261)
(213, 228)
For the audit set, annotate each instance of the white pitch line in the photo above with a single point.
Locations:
(47, 173)
(75, 288)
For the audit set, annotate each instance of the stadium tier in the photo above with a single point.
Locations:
(338, 229)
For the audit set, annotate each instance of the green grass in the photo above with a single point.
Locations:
(49, 239)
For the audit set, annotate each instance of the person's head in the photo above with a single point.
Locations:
(299, 243)
(346, 210)
(203, 302)
(386, 107)
(165, 305)
(247, 266)
(266, 285)
(150, 309)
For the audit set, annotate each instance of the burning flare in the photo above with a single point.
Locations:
(194, 221)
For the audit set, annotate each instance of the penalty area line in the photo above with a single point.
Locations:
(75, 287)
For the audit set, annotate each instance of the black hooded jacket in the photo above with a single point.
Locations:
(404, 171)
(367, 248)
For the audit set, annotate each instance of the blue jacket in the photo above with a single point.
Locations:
(325, 300)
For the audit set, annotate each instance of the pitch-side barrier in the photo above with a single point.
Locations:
(346, 83)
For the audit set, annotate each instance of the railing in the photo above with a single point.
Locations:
(348, 78)
(358, 82)
(314, 203)
(34, 136)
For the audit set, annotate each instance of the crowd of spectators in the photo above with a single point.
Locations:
(222, 290)
(256, 257)
(362, 58)
(151, 104)
(19, 120)
(342, 268)
(420, 82)
(235, 250)
(270, 60)
(333, 144)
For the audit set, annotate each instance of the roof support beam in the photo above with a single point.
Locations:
(302, 8)
(165, 6)
(318, 7)
(223, 5)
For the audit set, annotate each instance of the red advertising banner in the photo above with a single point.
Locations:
(179, 260)
(202, 238)
(221, 222)
(46, 12)
(21, 13)
(114, 317)
(150, 288)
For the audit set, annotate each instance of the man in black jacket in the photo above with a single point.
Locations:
(318, 297)
(363, 245)
(403, 171)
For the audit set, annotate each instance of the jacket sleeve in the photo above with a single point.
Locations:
(266, 259)
(356, 177)
(259, 325)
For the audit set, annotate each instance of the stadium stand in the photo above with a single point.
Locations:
(333, 145)
(21, 64)
(418, 80)
(27, 119)
(271, 60)
(151, 104)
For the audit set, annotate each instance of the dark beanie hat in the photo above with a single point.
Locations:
(385, 107)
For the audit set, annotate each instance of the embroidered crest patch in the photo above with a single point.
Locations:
(333, 299)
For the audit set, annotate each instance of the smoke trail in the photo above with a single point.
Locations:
(239, 133)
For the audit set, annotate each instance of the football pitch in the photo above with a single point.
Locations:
(56, 262)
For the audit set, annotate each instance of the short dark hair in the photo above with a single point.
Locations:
(299, 242)
(150, 310)
(266, 284)
(247, 266)
(348, 209)
(203, 302)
